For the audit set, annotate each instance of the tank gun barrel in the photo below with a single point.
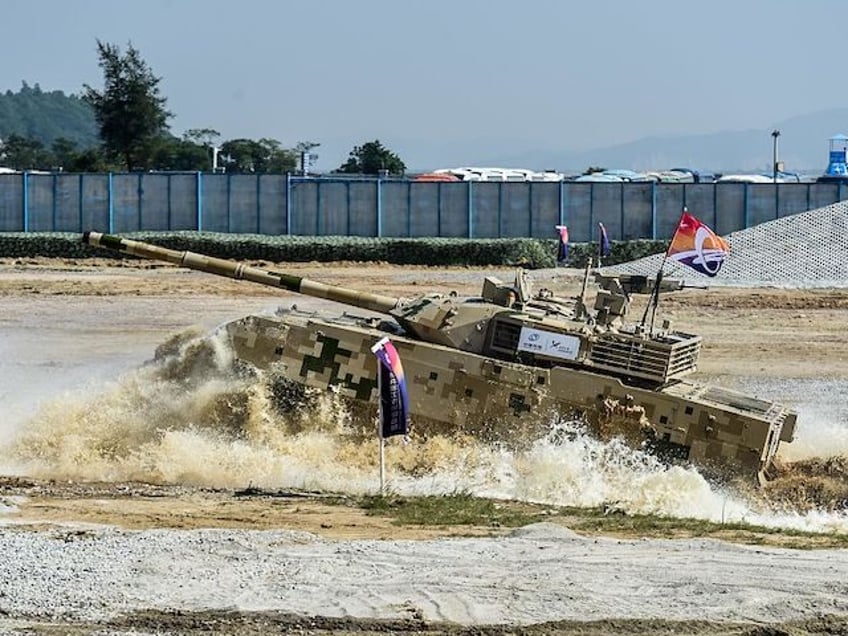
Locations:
(240, 271)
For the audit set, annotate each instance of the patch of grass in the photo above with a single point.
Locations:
(465, 509)
(602, 521)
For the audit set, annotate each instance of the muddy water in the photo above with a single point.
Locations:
(51, 344)
(80, 403)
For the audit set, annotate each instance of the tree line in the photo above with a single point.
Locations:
(123, 126)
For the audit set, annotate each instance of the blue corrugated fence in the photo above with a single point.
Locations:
(294, 205)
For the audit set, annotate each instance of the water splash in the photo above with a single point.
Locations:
(193, 417)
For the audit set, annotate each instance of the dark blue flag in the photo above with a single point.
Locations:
(394, 398)
(603, 241)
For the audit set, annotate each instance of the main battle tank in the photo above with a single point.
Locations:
(504, 364)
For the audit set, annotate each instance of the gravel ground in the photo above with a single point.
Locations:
(537, 574)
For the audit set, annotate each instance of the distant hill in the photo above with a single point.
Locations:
(802, 146)
(47, 116)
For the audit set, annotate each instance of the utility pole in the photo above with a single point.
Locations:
(306, 155)
(775, 134)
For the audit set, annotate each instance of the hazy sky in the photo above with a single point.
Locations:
(449, 81)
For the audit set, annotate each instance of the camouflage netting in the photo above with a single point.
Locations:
(805, 250)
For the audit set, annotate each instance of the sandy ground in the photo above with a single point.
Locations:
(431, 579)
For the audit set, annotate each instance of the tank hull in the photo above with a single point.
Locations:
(457, 392)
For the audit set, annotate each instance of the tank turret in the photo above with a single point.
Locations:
(507, 322)
(483, 364)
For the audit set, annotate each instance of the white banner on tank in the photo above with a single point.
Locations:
(548, 343)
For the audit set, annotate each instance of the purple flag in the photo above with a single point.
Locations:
(562, 248)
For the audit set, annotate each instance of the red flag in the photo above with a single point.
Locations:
(696, 245)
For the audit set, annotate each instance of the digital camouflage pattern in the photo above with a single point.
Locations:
(500, 366)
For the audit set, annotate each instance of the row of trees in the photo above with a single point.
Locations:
(164, 152)
(132, 122)
(189, 154)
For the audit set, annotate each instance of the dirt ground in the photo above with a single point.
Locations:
(764, 332)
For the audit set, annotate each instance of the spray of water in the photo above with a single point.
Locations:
(192, 417)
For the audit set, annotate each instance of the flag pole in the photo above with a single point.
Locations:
(654, 301)
(582, 310)
(382, 465)
(380, 428)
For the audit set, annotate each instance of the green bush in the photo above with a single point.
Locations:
(523, 252)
